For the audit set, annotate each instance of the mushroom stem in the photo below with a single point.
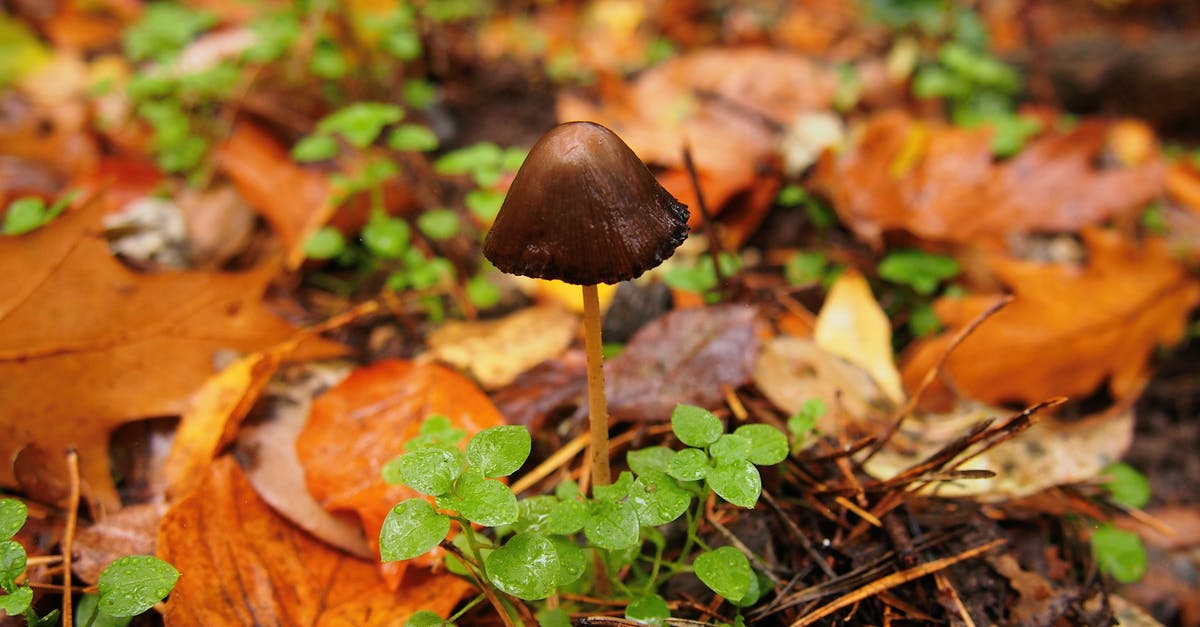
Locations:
(597, 404)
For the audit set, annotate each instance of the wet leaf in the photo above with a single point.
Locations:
(362, 423)
(726, 571)
(1069, 328)
(525, 567)
(411, 529)
(687, 356)
(499, 451)
(131, 585)
(940, 182)
(736, 481)
(230, 545)
(119, 345)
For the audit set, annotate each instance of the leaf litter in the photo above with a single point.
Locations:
(934, 503)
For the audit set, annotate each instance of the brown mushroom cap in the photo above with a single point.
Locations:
(584, 209)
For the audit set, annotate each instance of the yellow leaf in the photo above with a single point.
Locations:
(852, 326)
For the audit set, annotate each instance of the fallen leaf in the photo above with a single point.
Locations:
(556, 387)
(363, 422)
(727, 105)
(496, 351)
(87, 344)
(241, 564)
(941, 182)
(1183, 184)
(1051, 452)
(791, 371)
(131, 531)
(853, 326)
(687, 356)
(294, 200)
(1068, 329)
(266, 450)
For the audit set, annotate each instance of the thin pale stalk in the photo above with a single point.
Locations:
(597, 404)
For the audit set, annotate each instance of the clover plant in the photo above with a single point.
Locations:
(540, 545)
(127, 587)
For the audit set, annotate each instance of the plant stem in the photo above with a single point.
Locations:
(597, 404)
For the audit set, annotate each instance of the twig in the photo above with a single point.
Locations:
(481, 582)
(931, 374)
(552, 463)
(69, 532)
(799, 535)
(710, 227)
(893, 580)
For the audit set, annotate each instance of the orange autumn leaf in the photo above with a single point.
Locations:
(294, 200)
(362, 423)
(942, 183)
(87, 344)
(1068, 328)
(240, 563)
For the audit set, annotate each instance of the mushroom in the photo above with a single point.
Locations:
(584, 209)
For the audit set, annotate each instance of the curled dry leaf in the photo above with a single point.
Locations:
(131, 531)
(941, 182)
(853, 326)
(294, 200)
(1069, 328)
(266, 450)
(82, 337)
(687, 356)
(1051, 452)
(496, 351)
(363, 422)
(792, 371)
(242, 564)
(728, 105)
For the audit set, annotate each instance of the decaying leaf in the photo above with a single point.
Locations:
(941, 183)
(1049, 453)
(294, 200)
(131, 531)
(266, 449)
(790, 371)
(241, 564)
(1069, 328)
(853, 326)
(727, 104)
(87, 344)
(496, 351)
(363, 422)
(687, 356)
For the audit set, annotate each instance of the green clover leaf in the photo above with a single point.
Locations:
(499, 451)
(768, 445)
(725, 571)
(412, 528)
(526, 567)
(737, 481)
(695, 426)
(131, 585)
(485, 501)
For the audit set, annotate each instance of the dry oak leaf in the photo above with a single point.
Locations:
(728, 106)
(240, 563)
(131, 531)
(941, 182)
(87, 344)
(362, 423)
(1068, 329)
(294, 200)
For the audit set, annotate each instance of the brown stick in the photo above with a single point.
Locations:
(597, 404)
(69, 532)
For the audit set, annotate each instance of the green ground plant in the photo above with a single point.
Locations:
(541, 545)
(127, 587)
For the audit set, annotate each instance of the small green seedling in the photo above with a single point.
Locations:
(127, 587)
(1119, 553)
(701, 277)
(31, 213)
(539, 545)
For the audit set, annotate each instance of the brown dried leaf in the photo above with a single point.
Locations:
(496, 351)
(363, 422)
(241, 564)
(1069, 328)
(727, 104)
(853, 326)
(940, 182)
(131, 531)
(687, 356)
(87, 344)
(295, 201)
